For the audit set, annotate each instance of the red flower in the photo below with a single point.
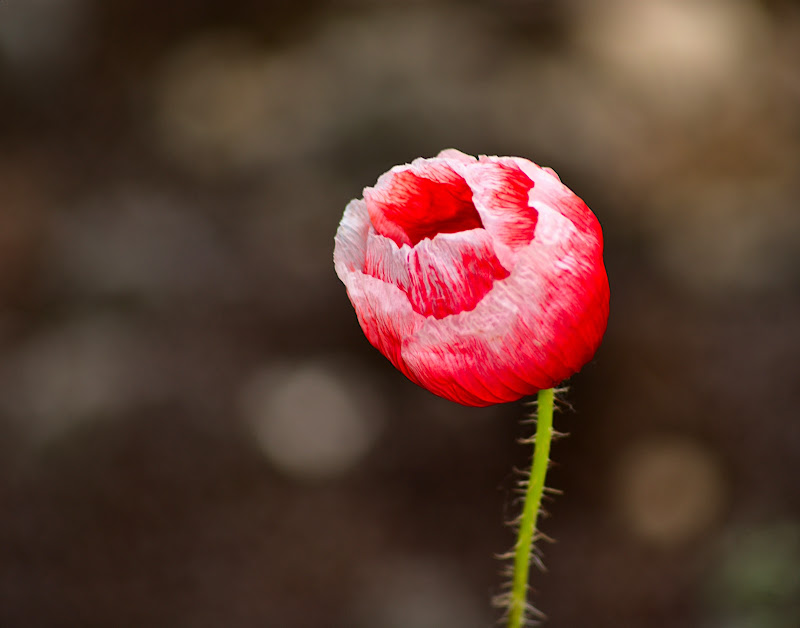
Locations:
(482, 280)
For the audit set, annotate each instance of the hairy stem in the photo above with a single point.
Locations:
(530, 510)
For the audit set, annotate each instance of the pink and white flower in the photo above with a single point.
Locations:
(482, 280)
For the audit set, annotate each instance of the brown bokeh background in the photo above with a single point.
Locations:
(193, 430)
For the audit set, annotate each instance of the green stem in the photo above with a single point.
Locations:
(530, 510)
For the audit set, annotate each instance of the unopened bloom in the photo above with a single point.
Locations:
(482, 280)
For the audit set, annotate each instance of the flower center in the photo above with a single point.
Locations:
(409, 208)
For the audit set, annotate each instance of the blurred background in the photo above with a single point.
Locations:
(194, 431)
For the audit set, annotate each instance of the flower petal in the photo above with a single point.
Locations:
(547, 188)
(452, 272)
(454, 158)
(500, 192)
(385, 316)
(350, 243)
(386, 261)
(420, 200)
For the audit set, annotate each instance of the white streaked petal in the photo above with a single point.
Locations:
(452, 272)
(384, 313)
(386, 261)
(351, 238)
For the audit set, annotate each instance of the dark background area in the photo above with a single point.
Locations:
(193, 430)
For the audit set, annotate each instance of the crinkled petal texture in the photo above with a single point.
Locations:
(480, 279)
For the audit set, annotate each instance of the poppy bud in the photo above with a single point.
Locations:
(482, 280)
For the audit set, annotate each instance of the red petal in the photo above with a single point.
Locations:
(441, 277)
(383, 309)
(500, 193)
(418, 201)
(385, 316)
(549, 189)
(452, 273)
